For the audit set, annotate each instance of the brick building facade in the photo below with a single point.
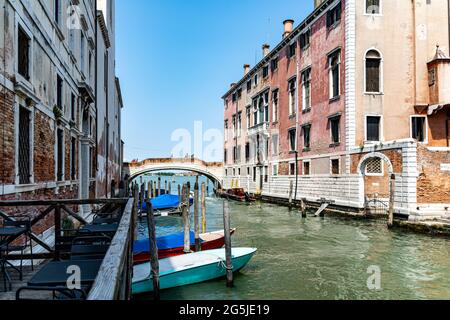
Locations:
(50, 136)
(351, 96)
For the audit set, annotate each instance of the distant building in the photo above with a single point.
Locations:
(351, 95)
(53, 110)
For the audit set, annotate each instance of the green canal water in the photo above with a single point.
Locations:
(319, 258)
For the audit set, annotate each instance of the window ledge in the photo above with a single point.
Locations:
(334, 99)
(335, 145)
(307, 150)
(334, 25)
(306, 111)
(292, 116)
(305, 48)
(373, 93)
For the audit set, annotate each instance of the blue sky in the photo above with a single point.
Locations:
(176, 58)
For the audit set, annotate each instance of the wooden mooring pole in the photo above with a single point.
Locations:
(154, 262)
(154, 189)
(159, 186)
(228, 253)
(391, 202)
(291, 191)
(149, 186)
(303, 208)
(203, 207)
(170, 188)
(186, 221)
(196, 216)
(165, 187)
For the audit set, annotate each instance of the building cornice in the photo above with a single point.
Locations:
(298, 30)
(103, 28)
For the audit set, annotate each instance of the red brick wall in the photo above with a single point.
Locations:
(323, 41)
(433, 184)
(44, 148)
(395, 156)
(7, 149)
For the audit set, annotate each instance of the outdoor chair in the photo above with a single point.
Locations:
(15, 238)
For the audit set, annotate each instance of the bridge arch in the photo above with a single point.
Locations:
(211, 170)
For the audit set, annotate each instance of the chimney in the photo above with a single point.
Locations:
(232, 85)
(317, 3)
(246, 69)
(266, 49)
(288, 27)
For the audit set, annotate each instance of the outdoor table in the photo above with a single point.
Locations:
(55, 274)
(100, 228)
(8, 232)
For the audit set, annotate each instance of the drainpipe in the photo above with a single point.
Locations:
(96, 95)
(297, 123)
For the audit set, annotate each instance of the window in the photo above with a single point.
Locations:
(82, 51)
(335, 130)
(59, 92)
(292, 49)
(226, 130)
(334, 16)
(274, 64)
(275, 106)
(266, 174)
(306, 137)
(248, 171)
(305, 39)
(255, 80)
(254, 174)
(374, 167)
(373, 7)
(292, 139)
(275, 145)
(255, 112)
(57, 12)
(335, 166)
(266, 106)
(292, 170)
(23, 51)
(234, 127)
(225, 156)
(60, 155)
(373, 128)
(72, 106)
(306, 84)
(24, 160)
(334, 62)
(373, 71)
(419, 128)
(239, 93)
(233, 97)
(265, 71)
(247, 152)
(306, 168)
(73, 158)
(249, 115)
(275, 170)
(239, 125)
(249, 86)
(292, 96)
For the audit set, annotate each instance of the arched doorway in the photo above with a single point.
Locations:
(377, 169)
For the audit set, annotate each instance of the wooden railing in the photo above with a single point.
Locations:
(115, 276)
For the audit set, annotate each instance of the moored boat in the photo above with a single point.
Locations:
(236, 194)
(189, 269)
(173, 245)
(164, 205)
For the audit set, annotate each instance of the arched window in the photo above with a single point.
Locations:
(373, 7)
(373, 71)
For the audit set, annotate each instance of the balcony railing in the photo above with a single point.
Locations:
(262, 128)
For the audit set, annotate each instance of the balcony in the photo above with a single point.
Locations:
(262, 128)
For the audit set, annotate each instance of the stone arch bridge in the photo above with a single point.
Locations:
(212, 170)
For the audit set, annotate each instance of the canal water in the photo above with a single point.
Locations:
(319, 258)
